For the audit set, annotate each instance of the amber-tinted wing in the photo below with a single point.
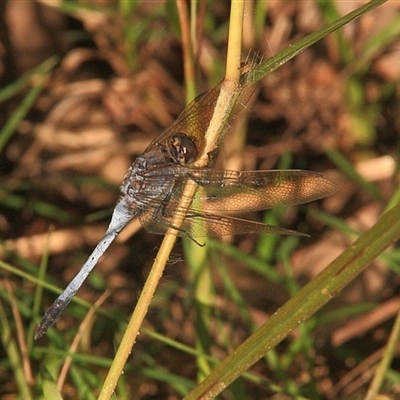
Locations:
(195, 118)
(233, 191)
(202, 224)
(258, 190)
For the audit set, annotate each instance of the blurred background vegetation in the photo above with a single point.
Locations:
(85, 86)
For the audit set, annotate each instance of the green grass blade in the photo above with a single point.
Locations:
(10, 346)
(13, 88)
(50, 390)
(273, 63)
(8, 129)
(330, 13)
(383, 366)
(333, 222)
(375, 45)
(37, 299)
(53, 288)
(347, 168)
(310, 299)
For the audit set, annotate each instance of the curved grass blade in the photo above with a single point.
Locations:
(297, 310)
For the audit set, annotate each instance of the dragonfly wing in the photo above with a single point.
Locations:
(193, 121)
(195, 118)
(230, 191)
(199, 224)
(257, 190)
(157, 217)
(207, 224)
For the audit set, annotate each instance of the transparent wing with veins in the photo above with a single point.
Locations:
(233, 191)
(196, 117)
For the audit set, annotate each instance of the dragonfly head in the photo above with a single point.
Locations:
(182, 148)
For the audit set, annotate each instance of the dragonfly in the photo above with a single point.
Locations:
(153, 191)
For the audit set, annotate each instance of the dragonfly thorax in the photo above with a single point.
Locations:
(150, 178)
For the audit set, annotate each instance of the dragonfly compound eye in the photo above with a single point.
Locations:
(182, 148)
